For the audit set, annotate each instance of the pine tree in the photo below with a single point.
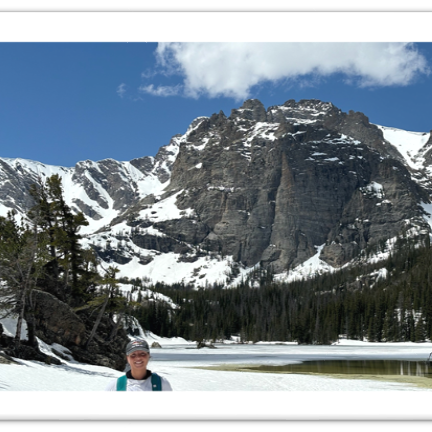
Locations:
(21, 260)
(420, 330)
(109, 285)
(67, 273)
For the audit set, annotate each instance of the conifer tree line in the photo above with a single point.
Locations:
(355, 303)
(43, 252)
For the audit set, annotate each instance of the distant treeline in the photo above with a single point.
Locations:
(386, 301)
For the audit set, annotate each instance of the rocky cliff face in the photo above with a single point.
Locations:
(273, 186)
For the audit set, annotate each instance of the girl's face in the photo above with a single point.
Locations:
(138, 361)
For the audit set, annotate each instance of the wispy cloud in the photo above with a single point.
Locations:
(149, 73)
(232, 69)
(121, 90)
(161, 90)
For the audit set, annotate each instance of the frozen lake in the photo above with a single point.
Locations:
(277, 354)
(239, 364)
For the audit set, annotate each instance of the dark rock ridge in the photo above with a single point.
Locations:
(272, 185)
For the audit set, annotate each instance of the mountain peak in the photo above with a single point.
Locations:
(261, 186)
(252, 109)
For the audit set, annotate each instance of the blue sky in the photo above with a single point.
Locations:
(65, 102)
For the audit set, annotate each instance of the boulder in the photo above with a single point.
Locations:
(205, 345)
(104, 349)
(55, 321)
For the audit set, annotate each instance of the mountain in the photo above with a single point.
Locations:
(298, 187)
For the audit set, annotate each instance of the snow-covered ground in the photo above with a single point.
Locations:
(75, 391)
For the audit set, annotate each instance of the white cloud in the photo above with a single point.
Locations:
(148, 73)
(232, 69)
(121, 90)
(160, 90)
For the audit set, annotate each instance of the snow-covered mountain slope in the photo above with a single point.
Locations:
(411, 145)
(301, 187)
(101, 190)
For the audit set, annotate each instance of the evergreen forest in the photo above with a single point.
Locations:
(390, 300)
